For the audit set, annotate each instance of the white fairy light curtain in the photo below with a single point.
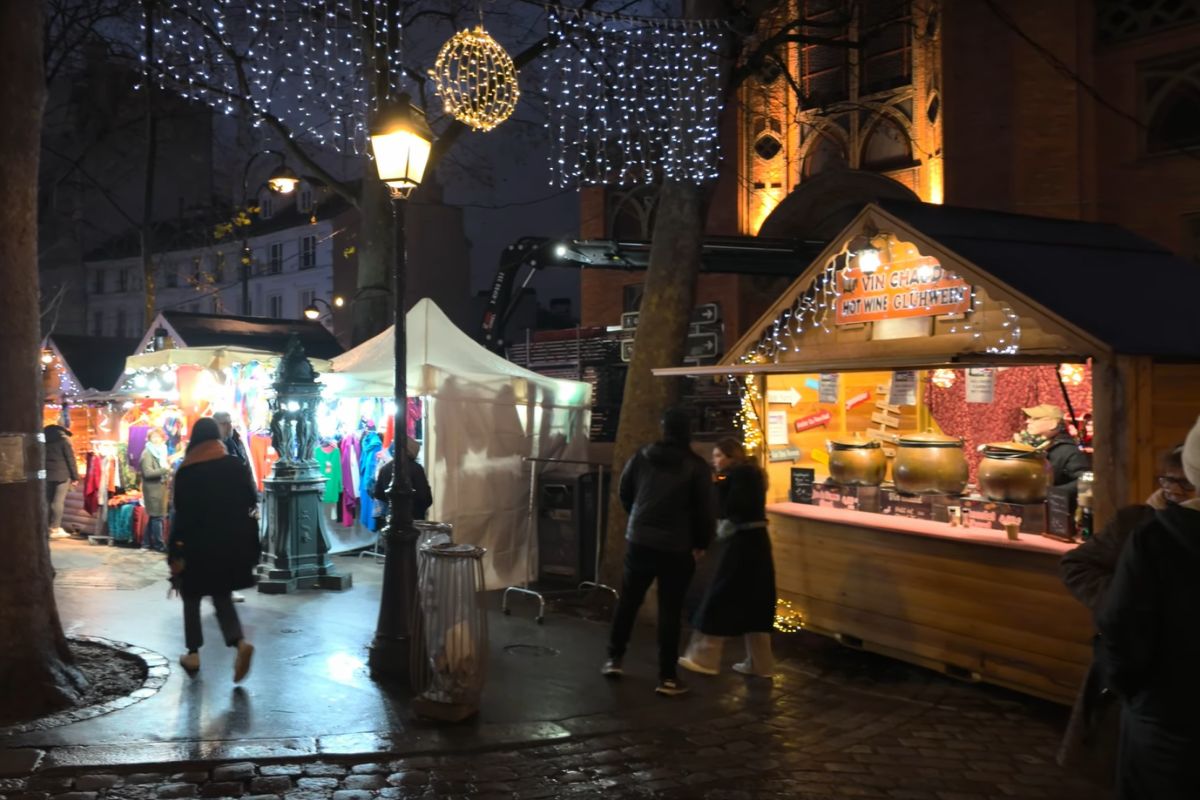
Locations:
(300, 61)
(631, 100)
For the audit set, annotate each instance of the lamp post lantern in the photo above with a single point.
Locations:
(282, 180)
(400, 142)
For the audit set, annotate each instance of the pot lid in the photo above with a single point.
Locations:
(855, 442)
(929, 439)
(1010, 450)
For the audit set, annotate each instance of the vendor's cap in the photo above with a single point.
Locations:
(1044, 411)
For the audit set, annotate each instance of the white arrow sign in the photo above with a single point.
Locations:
(787, 396)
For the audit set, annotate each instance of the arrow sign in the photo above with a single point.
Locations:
(812, 421)
(709, 312)
(702, 345)
(787, 396)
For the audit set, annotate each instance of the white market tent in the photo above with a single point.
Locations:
(484, 415)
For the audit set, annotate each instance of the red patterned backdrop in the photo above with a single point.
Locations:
(1016, 388)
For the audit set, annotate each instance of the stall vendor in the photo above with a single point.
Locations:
(1045, 429)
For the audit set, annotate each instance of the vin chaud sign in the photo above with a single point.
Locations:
(917, 287)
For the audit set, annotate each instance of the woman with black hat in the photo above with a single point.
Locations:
(214, 541)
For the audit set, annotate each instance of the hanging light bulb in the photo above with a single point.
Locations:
(868, 259)
(944, 378)
(1071, 374)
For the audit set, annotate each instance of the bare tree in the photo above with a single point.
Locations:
(36, 669)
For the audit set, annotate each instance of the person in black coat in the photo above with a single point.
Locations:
(214, 545)
(1089, 744)
(61, 475)
(1149, 648)
(422, 494)
(667, 491)
(740, 600)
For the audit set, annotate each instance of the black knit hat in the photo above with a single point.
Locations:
(676, 426)
(205, 430)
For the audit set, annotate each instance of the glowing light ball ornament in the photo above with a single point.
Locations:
(1072, 374)
(477, 79)
(944, 378)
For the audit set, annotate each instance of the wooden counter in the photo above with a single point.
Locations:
(963, 601)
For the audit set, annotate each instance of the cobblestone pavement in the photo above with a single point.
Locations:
(873, 733)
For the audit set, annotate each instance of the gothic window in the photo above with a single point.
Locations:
(1171, 99)
(825, 153)
(767, 147)
(885, 32)
(825, 69)
(1126, 19)
(887, 147)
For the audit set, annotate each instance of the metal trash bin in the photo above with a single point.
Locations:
(450, 631)
(433, 533)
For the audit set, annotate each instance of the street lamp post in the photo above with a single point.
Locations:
(313, 310)
(400, 142)
(282, 180)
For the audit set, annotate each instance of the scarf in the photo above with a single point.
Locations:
(158, 450)
(205, 451)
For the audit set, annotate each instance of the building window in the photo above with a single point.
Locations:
(307, 298)
(308, 252)
(170, 276)
(275, 263)
(275, 306)
(828, 152)
(266, 206)
(123, 281)
(120, 322)
(885, 60)
(1126, 19)
(97, 323)
(219, 268)
(98, 282)
(214, 304)
(304, 199)
(825, 69)
(1171, 97)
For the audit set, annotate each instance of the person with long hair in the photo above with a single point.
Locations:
(740, 600)
(214, 544)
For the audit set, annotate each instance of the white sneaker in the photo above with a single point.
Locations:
(59, 533)
(190, 661)
(746, 668)
(688, 664)
(238, 598)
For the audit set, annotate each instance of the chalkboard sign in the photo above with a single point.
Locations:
(1060, 513)
(802, 485)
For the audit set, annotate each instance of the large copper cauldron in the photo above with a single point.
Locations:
(1012, 472)
(930, 463)
(856, 462)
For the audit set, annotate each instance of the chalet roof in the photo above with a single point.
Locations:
(260, 333)
(95, 361)
(1132, 294)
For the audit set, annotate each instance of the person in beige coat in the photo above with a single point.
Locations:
(155, 470)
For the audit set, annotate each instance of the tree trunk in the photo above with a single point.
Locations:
(147, 228)
(36, 670)
(659, 342)
(371, 307)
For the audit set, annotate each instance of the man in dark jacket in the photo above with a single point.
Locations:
(1045, 422)
(61, 475)
(1150, 645)
(667, 491)
(422, 495)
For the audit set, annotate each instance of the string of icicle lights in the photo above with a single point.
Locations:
(816, 307)
(631, 100)
(301, 61)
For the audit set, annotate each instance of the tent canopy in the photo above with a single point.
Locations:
(438, 354)
(210, 357)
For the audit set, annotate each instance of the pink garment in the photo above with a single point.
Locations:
(350, 479)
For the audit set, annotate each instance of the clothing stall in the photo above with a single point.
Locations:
(478, 417)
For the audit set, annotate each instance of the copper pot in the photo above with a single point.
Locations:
(856, 462)
(930, 463)
(1012, 472)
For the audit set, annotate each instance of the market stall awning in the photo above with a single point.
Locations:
(215, 358)
(439, 353)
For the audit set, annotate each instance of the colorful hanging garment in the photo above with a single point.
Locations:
(350, 478)
(330, 462)
(372, 444)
